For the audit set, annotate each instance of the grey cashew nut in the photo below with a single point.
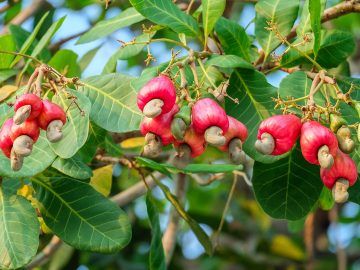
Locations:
(23, 145)
(326, 160)
(346, 143)
(22, 114)
(266, 145)
(16, 161)
(153, 108)
(236, 154)
(339, 190)
(53, 131)
(183, 156)
(214, 136)
(153, 145)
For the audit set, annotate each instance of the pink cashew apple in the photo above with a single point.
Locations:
(27, 106)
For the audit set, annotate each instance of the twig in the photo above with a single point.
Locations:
(25, 14)
(46, 253)
(56, 46)
(169, 237)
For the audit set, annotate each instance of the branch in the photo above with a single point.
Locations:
(25, 14)
(352, 6)
(46, 253)
(119, 137)
(56, 46)
(169, 237)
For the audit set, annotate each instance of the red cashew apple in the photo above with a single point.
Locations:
(340, 176)
(235, 137)
(27, 106)
(52, 119)
(157, 96)
(24, 136)
(193, 145)
(6, 142)
(278, 134)
(210, 119)
(157, 132)
(318, 144)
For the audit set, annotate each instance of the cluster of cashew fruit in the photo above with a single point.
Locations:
(20, 133)
(320, 145)
(189, 127)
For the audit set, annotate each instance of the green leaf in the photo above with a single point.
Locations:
(73, 167)
(315, 19)
(7, 44)
(41, 157)
(335, 47)
(228, 61)
(255, 105)
(113, 102)
(233, 38)
(195, 227)
(168, 169)
(80, 216)
(64, 61)
(106, 27)
(75, 131)
(29, 40)
(156, 257)
(281, 13)
(126, 52)
(288, 188)
(87, 58)
(166, 13)
(211, 12)
(45, 40)
(19, 231)
(326, 199)
(304, 25)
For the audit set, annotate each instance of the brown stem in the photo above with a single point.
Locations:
(169, 237)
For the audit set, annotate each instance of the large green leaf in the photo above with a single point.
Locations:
(19, 231)
(211, 12)
(73, 167)
(75, 131)
(233, 38)
(113, 102)
(255, 105)
(126, 52)
(106, 27)
(288, 188)
(335, 47)
(315, 19)
(166, 13)
(64, 61)
(7, 44)
(156, 257)
(281, 13)
(87, 58)
(29, 40)
(80, 216)
(41, 157)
